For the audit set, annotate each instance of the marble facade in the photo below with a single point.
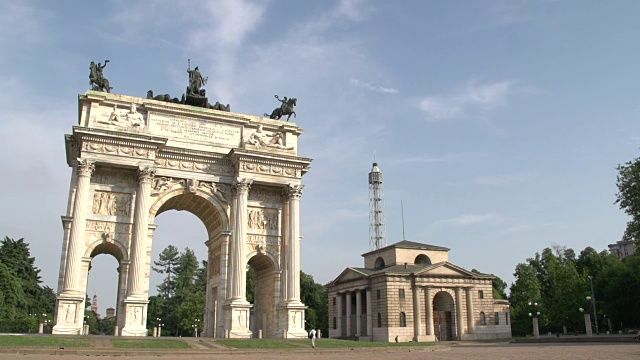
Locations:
(133, 159)
(410, 291)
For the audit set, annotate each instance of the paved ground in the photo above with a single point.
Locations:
(463, 351)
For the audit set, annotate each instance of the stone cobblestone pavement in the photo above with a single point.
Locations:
(475, 351)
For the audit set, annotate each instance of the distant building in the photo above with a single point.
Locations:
(623, 248)
(94, 306)
(111, 313)
(410, 291)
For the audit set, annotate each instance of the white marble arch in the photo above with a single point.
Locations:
(192, 159)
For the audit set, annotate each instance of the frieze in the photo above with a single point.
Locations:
(116, 149)
(194, 166)
(266, 195)
(270, 169)
(163, 184)
(108, 227)
(111, 203)
(263, 239)
(264, 219)
(114, 177)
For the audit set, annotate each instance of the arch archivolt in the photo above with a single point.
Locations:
(204, 202)
(105, 246)
(262, 261)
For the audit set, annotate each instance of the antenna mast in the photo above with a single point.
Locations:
(376, 210)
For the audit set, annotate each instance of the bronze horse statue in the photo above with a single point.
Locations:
(285, 109)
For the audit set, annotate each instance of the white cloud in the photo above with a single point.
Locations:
(473, 219)
(474, 99)
(375, 88)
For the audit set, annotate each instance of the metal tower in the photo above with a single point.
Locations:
(376, 210)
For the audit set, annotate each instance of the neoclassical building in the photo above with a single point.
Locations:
(410, 291)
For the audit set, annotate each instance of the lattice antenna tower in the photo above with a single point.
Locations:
(377, 236)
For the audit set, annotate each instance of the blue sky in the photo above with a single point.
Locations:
(498, 124)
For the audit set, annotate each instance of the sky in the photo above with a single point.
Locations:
(497, 124)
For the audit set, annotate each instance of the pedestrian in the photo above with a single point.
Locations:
(312, 336)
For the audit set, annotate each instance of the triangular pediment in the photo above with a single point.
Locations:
(350, 274)
(446, 269)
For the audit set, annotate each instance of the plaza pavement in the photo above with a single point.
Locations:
(455, 350)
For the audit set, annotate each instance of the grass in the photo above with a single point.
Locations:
(256, 344)
(149, 344)
(45, 341)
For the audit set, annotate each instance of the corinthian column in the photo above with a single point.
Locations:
(238, 274)
(76, 239)
(141, 224)
(293, 264)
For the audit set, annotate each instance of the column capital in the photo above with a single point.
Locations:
(86, 167)
(293, 191)
(146, 174)
(242, 185)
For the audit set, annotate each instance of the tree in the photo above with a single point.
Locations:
(315, 297)
(526, 289)
(628, 197)
(15, 254)
(166, 264)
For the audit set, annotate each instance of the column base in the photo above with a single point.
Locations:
(69, 314)
(236, 320)
(135, 313)
(291, 321)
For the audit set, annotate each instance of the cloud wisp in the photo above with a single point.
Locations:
(474, 99)
(374, 88)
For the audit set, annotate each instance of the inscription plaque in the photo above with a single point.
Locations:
(184, 128)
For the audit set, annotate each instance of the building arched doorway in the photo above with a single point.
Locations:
(443, 310)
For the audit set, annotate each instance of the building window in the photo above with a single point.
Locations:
(378, 294)
(480, 294)
(379, 320)
(401, 292)
(507, 317)
(334, 301)
(497, 318)
(335, 323)
(483, 319)
(403, 319)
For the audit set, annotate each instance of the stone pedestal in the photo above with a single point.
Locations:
(237, 320)
(135, 312)
(587, 324)
(41, 328)
(291, 321)
(536, 329)
(69, 315)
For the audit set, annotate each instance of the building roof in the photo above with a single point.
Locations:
(352, 273)
(406, 244)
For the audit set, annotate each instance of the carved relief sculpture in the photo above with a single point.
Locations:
(112, 204)
(264, 219)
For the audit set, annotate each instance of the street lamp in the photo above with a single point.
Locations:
(160, 325)
(534, 313)
(195, 326)
(593, 302)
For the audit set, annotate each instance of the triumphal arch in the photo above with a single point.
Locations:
(135, 158)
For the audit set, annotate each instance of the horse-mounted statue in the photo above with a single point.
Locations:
(97, 81)
(286, 108)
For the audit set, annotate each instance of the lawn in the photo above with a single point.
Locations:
(256, 344)
(149, 344)
(45, 341)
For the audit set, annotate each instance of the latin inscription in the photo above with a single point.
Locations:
(195, 130)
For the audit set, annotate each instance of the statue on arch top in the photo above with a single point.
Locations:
(196, 81)
(286, 108)
(97, 81)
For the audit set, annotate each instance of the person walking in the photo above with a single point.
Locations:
(312, 336)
